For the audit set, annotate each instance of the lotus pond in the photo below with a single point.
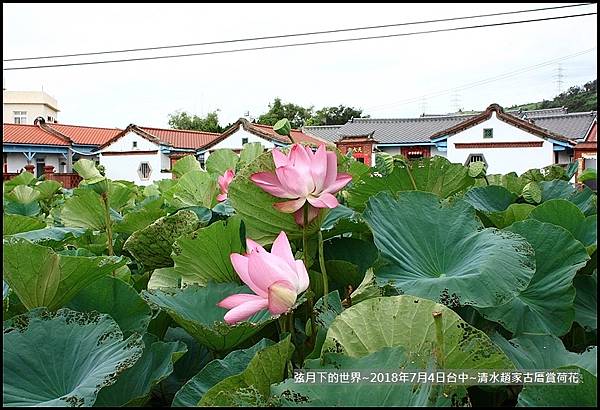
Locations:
(235, 284)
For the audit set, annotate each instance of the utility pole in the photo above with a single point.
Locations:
(559, 78)
(424, 106)
(455, 100)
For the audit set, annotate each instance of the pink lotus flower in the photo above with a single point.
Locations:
(224, 182)
(275, 278)
(303, 176)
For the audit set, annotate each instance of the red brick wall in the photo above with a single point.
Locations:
(361, 150)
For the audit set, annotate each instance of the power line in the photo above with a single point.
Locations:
(300, 44)
(294, 34)
(479, 82)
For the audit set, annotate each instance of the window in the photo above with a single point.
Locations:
(244, 141)
(20, 117)
(61, 167)
(49, 119)
(134, 144)
(144, 171)
(488, 133)
(476, 158)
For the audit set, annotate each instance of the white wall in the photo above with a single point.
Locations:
(126, 166)
(502, 160)
(16, 161)
(234, 141)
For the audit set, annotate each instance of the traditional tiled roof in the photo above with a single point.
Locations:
(574, 126)
(84, 135)
(399, 130)
(525, 125)
(182, 138)
(267, 132)
(325, 132)
(31, 135)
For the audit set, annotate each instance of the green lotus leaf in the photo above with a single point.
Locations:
(47, 189)
(187, 366)
(184, 165)
(589, 174)
(283, 127)
(408, 322)
(324, 318)
(532, 193)
(195, 309)
(12, 224)
(22, 200)
(253, 385)
(42, 277)
(116, 298)
(564, 213)
(477, 169)
(87, 170)
(440, 251)
(140, 218)
(586, 300)
(84, 209)
(220, 160)
(342, 219)
(203, 255)
(250, 152)
(263, 222)
(384, 163)
(152, 245)
(510, 181)
(583, 394)
(390, 359)
(194, 188)
(24, 194)
(434, 174)
(120, 195)
(164, 278)
(534, 352)
(52, 237)
(491, 198)
(512, 214)
(134, 385)
(214, 372)
(24, 178)
(63, 358)
(546, 304)
(583, 197)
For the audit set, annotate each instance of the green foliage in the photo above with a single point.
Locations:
(181, 120)
(296, 114)
(64, 358)
(411, 244)
(576, 98)
(335, 115)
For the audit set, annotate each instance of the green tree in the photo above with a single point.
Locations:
(576, 98)
(296, 114)
(181, 120)
(335, 115)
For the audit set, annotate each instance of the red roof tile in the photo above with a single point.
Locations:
(84, 135)
(29, 134)
(182, 138)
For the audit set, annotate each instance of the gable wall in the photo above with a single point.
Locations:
(501, 160)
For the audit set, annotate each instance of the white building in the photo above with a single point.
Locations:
(23, 107)
(506, 141)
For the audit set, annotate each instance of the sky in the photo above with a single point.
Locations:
(387, 78)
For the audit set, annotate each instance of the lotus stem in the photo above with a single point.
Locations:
(313, 322)
(410, 175)
(439, 339)
(107, 221)
(323, 270)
